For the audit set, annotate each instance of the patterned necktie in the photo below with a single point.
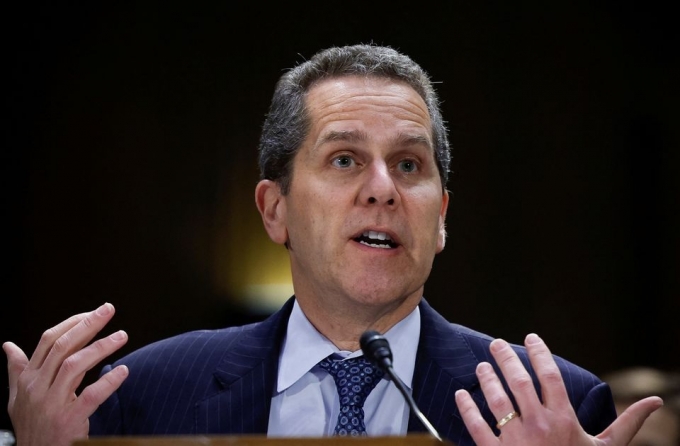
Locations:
(354, 379)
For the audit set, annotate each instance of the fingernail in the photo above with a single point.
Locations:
(532, 338)
(119, 335)
(498, 345)
(484, 367)
(104, 309)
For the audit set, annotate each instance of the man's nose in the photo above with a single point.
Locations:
(379, 186)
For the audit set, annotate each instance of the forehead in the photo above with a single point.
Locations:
(355, 100)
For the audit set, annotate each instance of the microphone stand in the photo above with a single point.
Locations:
(411, 402)
(377, 349)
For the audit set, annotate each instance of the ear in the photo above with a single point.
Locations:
(272, 206)
(441, 238)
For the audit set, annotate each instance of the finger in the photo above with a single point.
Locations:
(75, 339)
(519, 381)
(16, 363)
(474, 422)
(493, 390)
(74, 367)
(624, 428)
(49, 337)
(552, 384)
(96, 393)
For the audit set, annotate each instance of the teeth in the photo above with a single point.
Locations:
(376, 239)
(375, 235)
(373, 245)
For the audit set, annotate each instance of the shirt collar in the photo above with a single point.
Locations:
(303, 347)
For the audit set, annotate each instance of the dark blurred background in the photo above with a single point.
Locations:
(129, 165)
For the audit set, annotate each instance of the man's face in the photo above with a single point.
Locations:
(365, 213)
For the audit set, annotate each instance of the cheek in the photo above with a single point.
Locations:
(325, 204)
(428, 207)
(313, 213)
(429, 219)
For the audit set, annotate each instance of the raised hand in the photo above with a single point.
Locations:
(551, 422)
(43, 404)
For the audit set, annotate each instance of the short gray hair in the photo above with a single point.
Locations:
(287, 122)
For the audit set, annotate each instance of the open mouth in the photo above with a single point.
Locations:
(376, 239)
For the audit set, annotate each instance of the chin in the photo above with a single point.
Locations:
(383, 296)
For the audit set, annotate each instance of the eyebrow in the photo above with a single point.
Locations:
(353, 136)
(409, 139)
(350, 136)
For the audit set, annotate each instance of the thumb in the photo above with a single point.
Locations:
(624, 428)
(16, 363)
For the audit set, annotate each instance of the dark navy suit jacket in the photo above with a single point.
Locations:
(217, 382)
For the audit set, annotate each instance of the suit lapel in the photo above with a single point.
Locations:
(245, 377)
(445, 363)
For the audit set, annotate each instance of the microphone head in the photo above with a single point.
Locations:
(376, 348)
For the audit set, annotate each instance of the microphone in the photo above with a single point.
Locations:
(377, 350)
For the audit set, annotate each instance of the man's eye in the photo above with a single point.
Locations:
(343, 161)
(407, 166)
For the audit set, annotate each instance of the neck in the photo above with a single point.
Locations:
(344, 324)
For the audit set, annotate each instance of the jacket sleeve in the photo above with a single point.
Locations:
(596, 412)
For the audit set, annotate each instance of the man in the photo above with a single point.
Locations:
(354, 159)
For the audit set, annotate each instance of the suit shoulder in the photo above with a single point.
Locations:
(186, 345)
(478, 344)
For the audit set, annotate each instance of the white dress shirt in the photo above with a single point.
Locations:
(305, 402)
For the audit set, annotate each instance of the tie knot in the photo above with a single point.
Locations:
(355, 378)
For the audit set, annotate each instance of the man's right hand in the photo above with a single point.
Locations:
(43, 404)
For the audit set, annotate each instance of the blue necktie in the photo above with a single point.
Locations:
(354, 379)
